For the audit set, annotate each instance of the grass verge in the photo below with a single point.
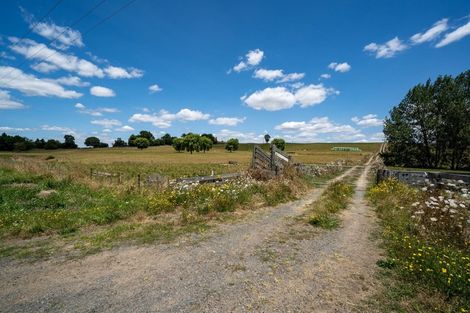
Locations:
(425, 234)
(334, 199)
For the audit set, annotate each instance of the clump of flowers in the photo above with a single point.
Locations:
(442, 215)
(201, 198)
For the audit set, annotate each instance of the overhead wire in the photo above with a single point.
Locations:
(114, 13)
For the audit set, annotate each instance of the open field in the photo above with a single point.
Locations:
(166, 161)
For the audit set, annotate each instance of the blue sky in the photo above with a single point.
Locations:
(307, 71)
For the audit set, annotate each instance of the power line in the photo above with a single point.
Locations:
(82, 17)
(56, 4)
(91, 28)
(110, 16)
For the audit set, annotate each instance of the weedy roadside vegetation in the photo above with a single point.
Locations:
(44, 213)
(427, 236)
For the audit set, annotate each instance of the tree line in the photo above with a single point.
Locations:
(190, 142)
(430, 127)
(141, 140)
(18, 143)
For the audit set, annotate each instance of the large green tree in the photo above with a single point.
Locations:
(430, 126)
(92, 142)
(178, 144)
(232, 145)
(119, 143)
(69, 142)
(192, 142)
(205, 143)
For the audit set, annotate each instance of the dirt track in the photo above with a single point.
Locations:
(267, 263)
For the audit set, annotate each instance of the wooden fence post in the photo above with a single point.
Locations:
(273, 163)
(91, 173)
(119, 178)
(138, 181)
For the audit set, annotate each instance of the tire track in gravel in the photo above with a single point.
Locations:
(333, 271)
(222, 273)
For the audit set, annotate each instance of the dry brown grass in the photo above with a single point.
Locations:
(306, 153)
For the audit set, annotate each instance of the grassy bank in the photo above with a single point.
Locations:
(426, 236)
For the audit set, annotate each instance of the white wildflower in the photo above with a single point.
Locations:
(433, 219)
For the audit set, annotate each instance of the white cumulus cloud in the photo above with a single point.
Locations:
(30, 85)
(61, 129)
(432, 33)
(386, 50)
(116, 72)
(18, 129)
(51, 59)
(455, 35)
(80, 106)
(312, 94)
(44, 67)
(154, 88)
(340, 67)
(368, 120)
(125, 128)
(318, 129)
(164, 118)
(252, 58)
(33, 50)
(63, 36)
(94, 112)
(100, 91)
(291, 77)
(106, 123)
(279, 98)
(72, 81)
(226, 134)
(7, 103)
(270, 99)
(228, 121)
(268, 75)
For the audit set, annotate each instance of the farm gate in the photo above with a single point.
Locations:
(274, 162)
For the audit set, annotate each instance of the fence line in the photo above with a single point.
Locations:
(422, 178)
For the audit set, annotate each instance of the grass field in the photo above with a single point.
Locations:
(166, 161)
